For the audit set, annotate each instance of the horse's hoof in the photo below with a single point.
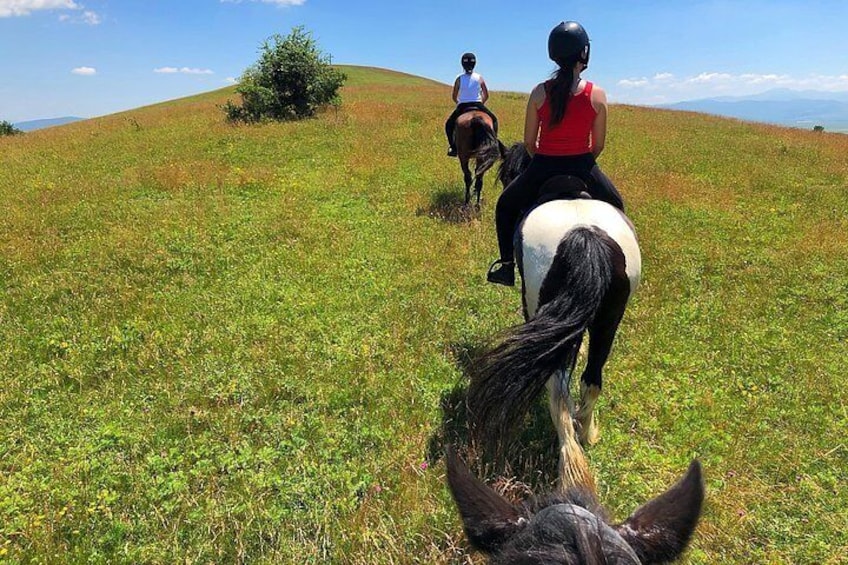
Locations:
(588, 432)
(592, 437)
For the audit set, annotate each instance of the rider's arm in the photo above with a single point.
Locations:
(455, 94)
(484, 90)
(531, 120)
(599, 126)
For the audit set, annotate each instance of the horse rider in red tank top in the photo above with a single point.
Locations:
(564, 132)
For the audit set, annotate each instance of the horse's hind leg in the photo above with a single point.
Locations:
(466, 173)
(573, 470)
(601, 335)
(478, 187)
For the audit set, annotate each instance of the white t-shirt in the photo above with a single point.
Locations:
(469, 88)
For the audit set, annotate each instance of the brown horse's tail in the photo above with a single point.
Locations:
(488, 148)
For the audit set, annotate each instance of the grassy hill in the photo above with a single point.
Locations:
(243, 344)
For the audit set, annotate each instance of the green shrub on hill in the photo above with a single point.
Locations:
(291, 80)
(7, 128)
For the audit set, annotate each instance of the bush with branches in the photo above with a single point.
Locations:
(7, 128)
(291, 80)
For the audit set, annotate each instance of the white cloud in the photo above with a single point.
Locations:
(183, 70)
(87, 17)
(84, 71)
(91, 18)
(755, 78)
(709, 78)
(633, 82)
(231, 80)
(9, 8)
(277, 2)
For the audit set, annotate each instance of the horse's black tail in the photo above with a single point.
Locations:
(512, 374)
(488, 148)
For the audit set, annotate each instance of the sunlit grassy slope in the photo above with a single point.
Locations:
(239, 344)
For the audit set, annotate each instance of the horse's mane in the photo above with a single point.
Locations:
(576, 495)
(587, 546)
(514, 162)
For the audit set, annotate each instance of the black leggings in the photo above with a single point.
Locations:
(523, 191)
(450, 125)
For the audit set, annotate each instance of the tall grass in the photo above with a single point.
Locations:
(245, 344)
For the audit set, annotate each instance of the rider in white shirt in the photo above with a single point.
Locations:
(469, 92)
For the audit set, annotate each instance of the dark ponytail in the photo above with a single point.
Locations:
(558, 90)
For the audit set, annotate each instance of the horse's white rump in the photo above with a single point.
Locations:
(545, 227)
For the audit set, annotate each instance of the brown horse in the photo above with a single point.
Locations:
(475, 139)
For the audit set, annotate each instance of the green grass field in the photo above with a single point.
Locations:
(230, 344)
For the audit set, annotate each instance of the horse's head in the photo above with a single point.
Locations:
(571, 528)
(515, 160)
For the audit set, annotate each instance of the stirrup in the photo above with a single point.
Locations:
(502, 272)
(451, 152)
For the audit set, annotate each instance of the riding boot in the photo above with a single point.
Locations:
(451, 151)
(502, 272)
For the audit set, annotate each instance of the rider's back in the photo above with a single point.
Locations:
(572, 135)
(469, 88)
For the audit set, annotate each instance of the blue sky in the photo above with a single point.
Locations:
(94, 57)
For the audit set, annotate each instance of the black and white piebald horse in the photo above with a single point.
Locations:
(571, 527)
(579, 262)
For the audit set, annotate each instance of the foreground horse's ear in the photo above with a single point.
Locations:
(488, 518)
(659, 530)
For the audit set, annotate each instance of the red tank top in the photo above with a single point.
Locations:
(572, 136)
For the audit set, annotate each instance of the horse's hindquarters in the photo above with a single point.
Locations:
(475, 139)
(547, 225)
(464, 120)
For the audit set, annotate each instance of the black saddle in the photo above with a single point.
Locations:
(562, 187)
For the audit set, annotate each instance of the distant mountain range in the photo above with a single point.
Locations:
(795, 108)
(32, 125)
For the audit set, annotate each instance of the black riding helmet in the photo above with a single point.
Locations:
(568, 41)
(468, 62)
